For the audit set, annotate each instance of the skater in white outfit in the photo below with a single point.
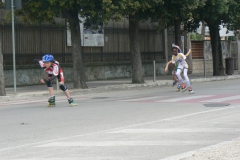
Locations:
(182, 67)
(174, 77)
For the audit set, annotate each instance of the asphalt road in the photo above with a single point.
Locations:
(144, 124)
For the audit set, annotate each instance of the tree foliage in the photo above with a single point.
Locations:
(175, 9)
(232, 18)
(2, 5)
(175, 12)
(46, 10)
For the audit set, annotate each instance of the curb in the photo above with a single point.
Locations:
(118, 87)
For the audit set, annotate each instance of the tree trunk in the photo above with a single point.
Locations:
(79, 78)
(2, 82)
(218, 68)
(137, 75)
(177, 26)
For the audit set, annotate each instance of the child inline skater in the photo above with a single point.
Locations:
(182, 67)
(53, 70)
(174, 76)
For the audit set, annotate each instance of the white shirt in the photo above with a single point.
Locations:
(180, 58)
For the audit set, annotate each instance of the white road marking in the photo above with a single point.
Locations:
(115, 129)
(121, 143)
(178, 130)
(184, 98)
(38, 101)
(190, 154)
(22, 102)
(142, 99)
(223, 99)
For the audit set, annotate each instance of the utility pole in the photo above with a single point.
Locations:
(13, 4)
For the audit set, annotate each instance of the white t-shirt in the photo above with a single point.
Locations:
(180, 58)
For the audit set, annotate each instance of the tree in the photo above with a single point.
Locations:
(224, 11)
(165, 12)
(175, 12)
(216, 9)
(232, 18)
(2, 5)
(2, 82)
(38, 11)
(135, 11)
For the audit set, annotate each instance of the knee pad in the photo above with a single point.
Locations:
(49, 83)
(63, 87)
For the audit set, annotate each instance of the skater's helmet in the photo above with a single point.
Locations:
(47, 58)
(177, 47)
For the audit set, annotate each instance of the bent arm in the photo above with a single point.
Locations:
(189, 67)
(166, 68)
(189, 51)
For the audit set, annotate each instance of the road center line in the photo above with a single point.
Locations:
(37, 101)
(185, 98)
(223, 99)
(122, 143)
(177, 130)
(141, 99)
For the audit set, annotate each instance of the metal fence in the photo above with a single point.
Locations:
(35, 41)
(26, 59)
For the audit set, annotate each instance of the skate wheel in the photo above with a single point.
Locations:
(73, 105)
(51, 105)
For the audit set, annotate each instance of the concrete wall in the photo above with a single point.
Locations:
(198, 66)
(30, 75)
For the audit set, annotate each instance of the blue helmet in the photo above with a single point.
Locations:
(47, 58)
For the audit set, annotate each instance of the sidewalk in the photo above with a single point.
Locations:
(111, 85)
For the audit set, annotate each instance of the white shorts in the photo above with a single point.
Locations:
(183, 67)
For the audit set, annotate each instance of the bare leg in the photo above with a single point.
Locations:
(67, 93)
(173, 77)
(50, 89)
